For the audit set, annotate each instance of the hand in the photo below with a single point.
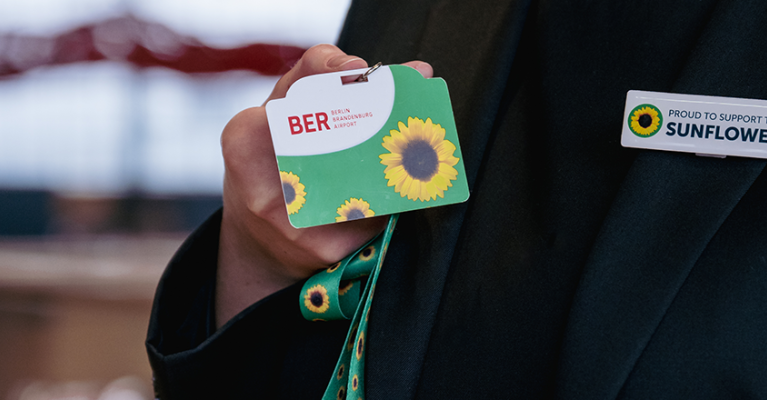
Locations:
(259, 251)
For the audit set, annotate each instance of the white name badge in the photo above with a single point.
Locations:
(705, 125)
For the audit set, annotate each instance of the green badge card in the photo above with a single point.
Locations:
(350, 150)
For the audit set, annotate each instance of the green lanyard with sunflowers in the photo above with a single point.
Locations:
(388, 138)
(337, 293)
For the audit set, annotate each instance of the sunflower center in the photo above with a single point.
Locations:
(354, 214)
(420, 160)
(360, 345)
(645, 120)
(316, 299)
(289, 192)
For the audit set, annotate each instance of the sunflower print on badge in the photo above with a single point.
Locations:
(293, 190)
(420, 160)
(645, 120)
(354, 209)
(316, 299)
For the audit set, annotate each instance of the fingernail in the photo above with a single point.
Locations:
(338, 62)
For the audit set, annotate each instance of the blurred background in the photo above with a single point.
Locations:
(110, 116)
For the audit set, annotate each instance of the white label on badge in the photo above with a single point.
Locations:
(320, 114)
(708, 125)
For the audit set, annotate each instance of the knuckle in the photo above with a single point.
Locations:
(320, 49)
(317, 57)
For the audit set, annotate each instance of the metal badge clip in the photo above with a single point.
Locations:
(364, 77)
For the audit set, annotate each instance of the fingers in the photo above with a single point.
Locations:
(422, 67)
(246, 142)
(325, 58)
(251, 167)
(320, 59)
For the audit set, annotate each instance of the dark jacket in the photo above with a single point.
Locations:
(577, 269)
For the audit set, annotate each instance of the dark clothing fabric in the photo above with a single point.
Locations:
(267, 352)
(577, 269)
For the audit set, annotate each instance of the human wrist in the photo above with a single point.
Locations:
(247, 272)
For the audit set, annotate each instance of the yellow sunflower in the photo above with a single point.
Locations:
(367, 253)
(354, 209)
(333, 267)
(360, 345)
(293, 191)
(645, 120)
(355, 383)
(420, 162)
(352, 336)
(316, 299)
(345, 287)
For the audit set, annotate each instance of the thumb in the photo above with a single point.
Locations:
(319, 59)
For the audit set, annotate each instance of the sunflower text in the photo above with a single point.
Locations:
(716, 132)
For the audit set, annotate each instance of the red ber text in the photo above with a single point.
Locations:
(308, 123)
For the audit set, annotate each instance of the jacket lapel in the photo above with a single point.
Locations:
(669, 208)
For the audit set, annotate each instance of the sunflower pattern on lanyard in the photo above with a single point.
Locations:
(293, 190)
(420, 160)
(360, 268)
(316, 299)
(645, 120)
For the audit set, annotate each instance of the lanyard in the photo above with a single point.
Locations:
(337, 293)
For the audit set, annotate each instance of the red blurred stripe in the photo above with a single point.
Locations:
(266, 59)
(143, 45)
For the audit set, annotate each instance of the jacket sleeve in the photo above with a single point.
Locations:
(268, 351)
